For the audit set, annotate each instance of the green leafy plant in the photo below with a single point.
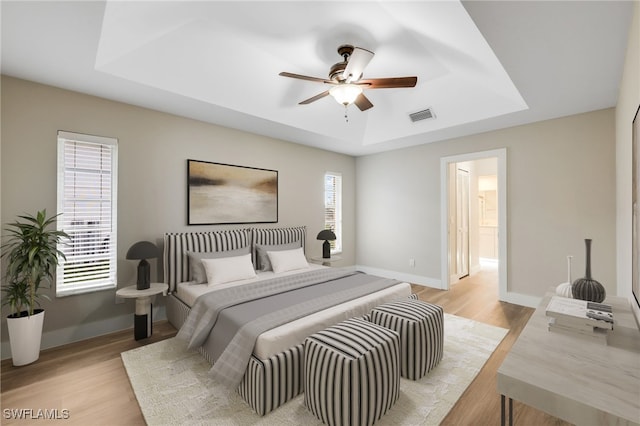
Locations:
(32, 254)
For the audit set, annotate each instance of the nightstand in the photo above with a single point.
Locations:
(143, 317)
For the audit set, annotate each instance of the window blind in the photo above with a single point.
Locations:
(333, 208)
(87, 194)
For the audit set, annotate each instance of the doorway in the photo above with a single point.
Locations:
(473, 217)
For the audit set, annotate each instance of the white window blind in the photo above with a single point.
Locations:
(87, 195)
(333, 208)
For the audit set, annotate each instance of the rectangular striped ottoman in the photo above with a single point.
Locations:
(351, 372)
(421, 329)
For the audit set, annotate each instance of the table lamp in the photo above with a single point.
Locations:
(143, 250)
(326, 235)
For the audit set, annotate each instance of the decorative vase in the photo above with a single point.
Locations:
(587, 288)
(564, 289)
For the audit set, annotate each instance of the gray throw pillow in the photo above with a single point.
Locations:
(263, 263)
(196, 268)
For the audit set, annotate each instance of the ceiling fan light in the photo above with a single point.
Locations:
(345, 94)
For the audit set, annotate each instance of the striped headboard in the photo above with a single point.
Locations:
(176, 262)
(271, 236)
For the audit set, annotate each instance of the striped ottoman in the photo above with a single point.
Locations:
(351, 372)
(420, 325)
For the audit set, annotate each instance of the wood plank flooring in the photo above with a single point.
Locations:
(89, 380)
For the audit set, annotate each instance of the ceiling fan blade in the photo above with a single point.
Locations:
(362, 102)
(358, 60)
(389, 83)
(306, 77)
(314, 98)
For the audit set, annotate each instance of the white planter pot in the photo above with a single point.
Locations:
(25, 335)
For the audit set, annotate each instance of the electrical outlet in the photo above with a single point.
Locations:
(412, 262)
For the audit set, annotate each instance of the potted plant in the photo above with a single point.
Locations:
(31, 251)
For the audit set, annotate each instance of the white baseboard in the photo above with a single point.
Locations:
(402, 276)
(522, 299)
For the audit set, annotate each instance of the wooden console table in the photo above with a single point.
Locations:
(577, 380)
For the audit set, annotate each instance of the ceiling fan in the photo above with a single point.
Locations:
(346, 79)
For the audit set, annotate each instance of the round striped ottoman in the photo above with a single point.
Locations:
(351, 372)
(421, 328)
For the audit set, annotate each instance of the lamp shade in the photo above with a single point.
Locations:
(326, 234)
(142, 250)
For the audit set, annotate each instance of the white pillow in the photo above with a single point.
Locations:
(196, 268)
(287, 260)
(227, 269)
(263, 263)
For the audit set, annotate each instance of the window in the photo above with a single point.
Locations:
(333, 208)
(87, 194)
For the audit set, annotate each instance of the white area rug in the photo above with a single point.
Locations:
(173, 388)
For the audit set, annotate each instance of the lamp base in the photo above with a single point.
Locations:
(326, 250)
(144, 275)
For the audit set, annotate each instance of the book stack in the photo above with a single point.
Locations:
(580, 318)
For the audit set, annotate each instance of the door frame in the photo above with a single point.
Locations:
(501, 155)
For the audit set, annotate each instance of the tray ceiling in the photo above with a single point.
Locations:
(480, 65)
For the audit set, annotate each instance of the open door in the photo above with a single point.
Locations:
(462, 223)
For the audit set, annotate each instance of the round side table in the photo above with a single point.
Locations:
(325, 261)
(143, 317)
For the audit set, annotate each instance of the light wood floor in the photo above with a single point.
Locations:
(89, 380)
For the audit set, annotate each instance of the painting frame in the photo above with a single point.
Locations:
(228, 194)
(635, 207)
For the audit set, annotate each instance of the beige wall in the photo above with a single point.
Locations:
(153, 149)
(560, 190)
(628, 101)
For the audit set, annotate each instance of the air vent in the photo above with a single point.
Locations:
(426, 114)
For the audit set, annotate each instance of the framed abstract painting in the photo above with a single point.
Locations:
(227, 194)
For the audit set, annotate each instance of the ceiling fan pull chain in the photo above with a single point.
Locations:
(346, 118)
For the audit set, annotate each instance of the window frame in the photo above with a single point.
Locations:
(109, 280)
(336, 224)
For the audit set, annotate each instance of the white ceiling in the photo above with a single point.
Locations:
(480, 65)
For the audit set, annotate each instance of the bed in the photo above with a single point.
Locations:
(273, 371)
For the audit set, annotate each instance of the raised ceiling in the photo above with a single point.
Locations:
(480, 65)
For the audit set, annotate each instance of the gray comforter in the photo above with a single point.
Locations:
(236, 316)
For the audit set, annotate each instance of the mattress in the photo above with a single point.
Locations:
(288, 335)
